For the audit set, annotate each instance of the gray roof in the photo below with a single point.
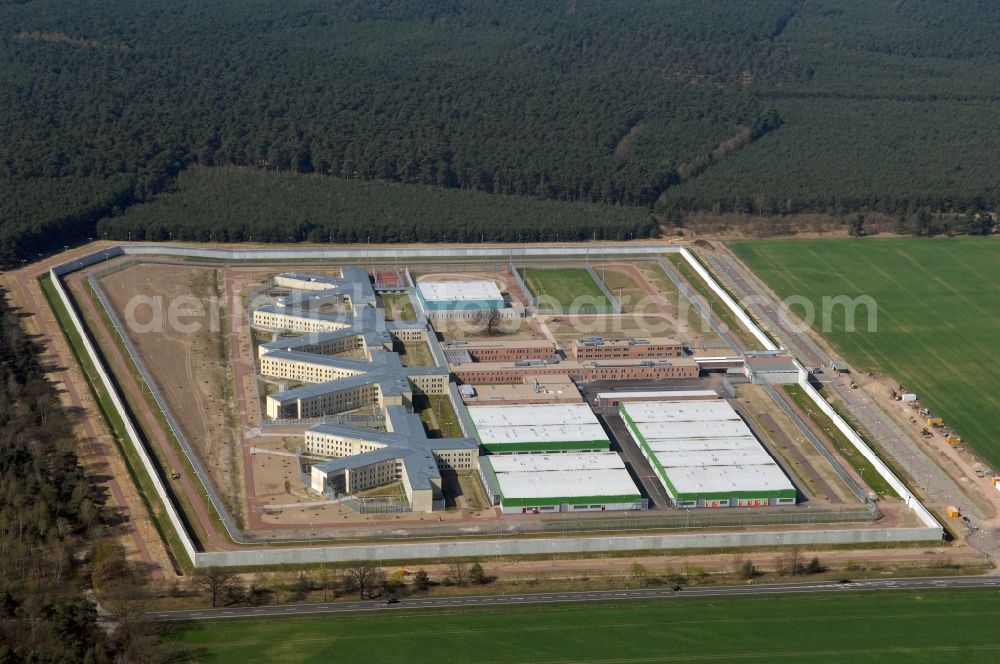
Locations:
(323, 360)
(291, 343)
(405, 438)
(343, 319)
(385, 367)
(354, 281)
(407, 443)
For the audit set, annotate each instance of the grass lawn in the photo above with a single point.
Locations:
(856, 627)
(938, 315)
(398, 307)
(438, 415)
(416, 354)
(559, 289)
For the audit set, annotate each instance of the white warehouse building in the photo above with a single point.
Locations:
(565, 482)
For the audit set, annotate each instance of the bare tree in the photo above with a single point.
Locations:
(363, 576)
(458, 572)
(128, 604)
(212, 580)
(639, 573)
(795, 560)
(489, 321)
(323, 580)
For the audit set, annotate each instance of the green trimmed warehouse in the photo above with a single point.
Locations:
(565, 482)
(520, 429)
(705, 455)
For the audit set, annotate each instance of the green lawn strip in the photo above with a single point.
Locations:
(437, 408)
(717, 307)
(934, 625)
(559, 288)
(447, 417)
(398, 307)
(938, 312)
(112, 418)
(847, 449)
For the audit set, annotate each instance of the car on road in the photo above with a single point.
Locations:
(392, 599)
(844, 581)
(676, 589)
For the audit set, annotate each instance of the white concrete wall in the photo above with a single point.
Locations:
(542, 546)
(133, 434)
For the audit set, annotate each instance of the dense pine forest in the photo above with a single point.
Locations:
(771, 106)
(241, 204)
(57, 539)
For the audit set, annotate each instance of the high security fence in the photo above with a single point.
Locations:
(616, 305)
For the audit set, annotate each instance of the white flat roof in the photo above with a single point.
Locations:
(562, 475)
(681, 411)
(705, 448)
(534, 463)
(718, 479)
(536, 423)
(459, 291)
(679, 445)
(718, 457)
(659, 394)
(693, 430)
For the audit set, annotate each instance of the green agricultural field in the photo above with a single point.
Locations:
(938, 305)
(559, 289)
(858, 627)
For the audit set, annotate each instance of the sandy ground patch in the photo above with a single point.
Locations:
(189, 360)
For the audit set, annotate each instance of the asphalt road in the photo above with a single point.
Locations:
(634, 459)
(602, 595)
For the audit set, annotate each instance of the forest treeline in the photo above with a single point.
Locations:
(242, 204)
(57, 538)
(771, 106)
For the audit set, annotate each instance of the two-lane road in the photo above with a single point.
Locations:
(585, 596)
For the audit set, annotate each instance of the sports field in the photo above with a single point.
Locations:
(938, 315)
(567, 290)
(857, 627)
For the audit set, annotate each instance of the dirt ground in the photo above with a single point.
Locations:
(97, 450)
(813, 474)
(957, 461)
(692, 325)
(190, 365)
(513, 329)
(565, 328)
